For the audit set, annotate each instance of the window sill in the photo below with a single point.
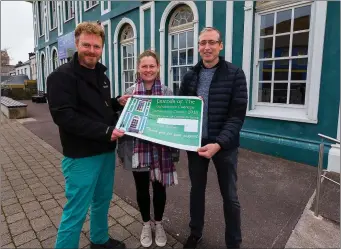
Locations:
(281, 113)
(106, 11)
(53, 29)
(68, 20)
(85, 10)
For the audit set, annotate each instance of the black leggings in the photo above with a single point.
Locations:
(143, 198)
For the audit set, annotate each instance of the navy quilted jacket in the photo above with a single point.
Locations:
(227, 101)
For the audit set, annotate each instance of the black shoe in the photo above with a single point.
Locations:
(192, 242)
(110, 244)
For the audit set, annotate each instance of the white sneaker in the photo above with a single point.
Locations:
(160, 235)
(146, 238)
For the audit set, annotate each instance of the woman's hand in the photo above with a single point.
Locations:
(123, 100)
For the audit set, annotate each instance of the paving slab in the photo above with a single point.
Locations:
(329, 204)
(33, 194)
(314, 231)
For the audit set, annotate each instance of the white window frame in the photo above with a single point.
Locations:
(107, 10)
(116, 42)
(40, 12)
(71, 6)
(143, 8)
(60, 18)
(170, 66)
(307, 114)
(90, 6)
(185, 28)
(163, 36)
(54, 15)
(54, 62)
(124, 43)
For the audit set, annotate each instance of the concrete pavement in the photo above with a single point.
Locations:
(32, 195)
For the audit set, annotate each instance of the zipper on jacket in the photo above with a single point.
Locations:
(106, 103)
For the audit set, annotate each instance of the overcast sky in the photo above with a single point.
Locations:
(17, 33)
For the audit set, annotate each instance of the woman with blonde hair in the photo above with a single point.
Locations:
(147, 160)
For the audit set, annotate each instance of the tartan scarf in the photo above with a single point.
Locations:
(155, 156)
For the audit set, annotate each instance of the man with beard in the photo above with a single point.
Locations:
(222, 86)
(81, 105)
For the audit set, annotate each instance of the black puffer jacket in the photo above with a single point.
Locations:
(227, 101)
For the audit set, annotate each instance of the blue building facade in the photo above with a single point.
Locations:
(289, 51)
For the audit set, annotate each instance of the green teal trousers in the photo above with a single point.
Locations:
(88, 183)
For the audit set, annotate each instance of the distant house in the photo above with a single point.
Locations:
(23, 68)
(33, 66)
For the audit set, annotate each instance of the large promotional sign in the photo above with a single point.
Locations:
(168, 120)
(66, 45)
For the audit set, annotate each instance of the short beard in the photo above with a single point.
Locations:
(83, 61)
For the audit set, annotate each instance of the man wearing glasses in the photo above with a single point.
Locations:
(222, 86)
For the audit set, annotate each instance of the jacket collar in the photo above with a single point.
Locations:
(75, 63)
(200, 64)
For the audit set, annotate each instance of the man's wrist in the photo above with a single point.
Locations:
(217, 146)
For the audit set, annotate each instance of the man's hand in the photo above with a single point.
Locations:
(116, 134)
(209, 150)
(123, 100)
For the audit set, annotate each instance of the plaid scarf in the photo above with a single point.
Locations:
(155, 156)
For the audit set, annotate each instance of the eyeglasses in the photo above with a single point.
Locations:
(210, 42)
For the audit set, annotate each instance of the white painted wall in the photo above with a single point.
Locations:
(33, 68)
(22, 68)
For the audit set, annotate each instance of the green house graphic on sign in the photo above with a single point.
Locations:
(136, 117)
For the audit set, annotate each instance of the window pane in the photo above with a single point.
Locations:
(182, 40)
(190, 39)
(175, 58)
(175, 41)
(126, 77)
(130, 63)
(131, 76)
(299, 69)
(125, 63)
(105, 3)
(264, 92)
(265, 48)
(265, 70)
(280, 93)
(281, 69)
(124, 51)
(176, 87)
(302, 18)
(282, 45)
(130, 51)
(297, 93)
(183, 70)
(283, 21)
(190, 56)
(267, 24)
(67, 10)
(300, 44)
(182, 57)
(175, 72)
